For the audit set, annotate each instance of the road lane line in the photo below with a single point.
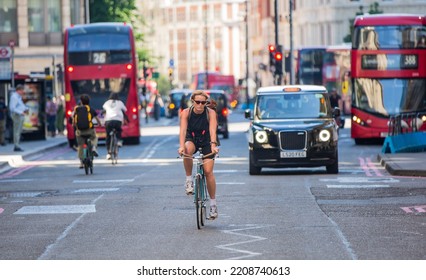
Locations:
(103, 181)
(244, 253)
(56, 209)
(356, 186)
(374, 168)
(364, 166)
(65, 232)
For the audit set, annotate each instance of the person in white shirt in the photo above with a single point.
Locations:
(115, 115)
(17, 111)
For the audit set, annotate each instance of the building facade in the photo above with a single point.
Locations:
(179, 27)
(36, 29)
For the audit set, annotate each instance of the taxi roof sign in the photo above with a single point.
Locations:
(284, 89)
(291, 89)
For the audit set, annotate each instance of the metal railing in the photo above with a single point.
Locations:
(407, 122)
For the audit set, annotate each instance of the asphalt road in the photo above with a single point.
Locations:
(49, 209)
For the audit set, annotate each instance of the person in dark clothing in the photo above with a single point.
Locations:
(199, 131)
(3, 115)
(336, 101)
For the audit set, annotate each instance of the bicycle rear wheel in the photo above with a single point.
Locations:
(198, 201)
(112, 148)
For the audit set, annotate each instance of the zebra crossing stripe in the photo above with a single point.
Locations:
(56, 209)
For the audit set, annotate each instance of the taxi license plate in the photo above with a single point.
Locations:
(301, 154)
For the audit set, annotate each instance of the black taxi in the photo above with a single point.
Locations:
(292, 126)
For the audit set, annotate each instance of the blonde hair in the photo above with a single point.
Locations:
(199, 92)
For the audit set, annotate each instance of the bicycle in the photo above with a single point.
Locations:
(200, 187)
(113, 146)
(87, 155)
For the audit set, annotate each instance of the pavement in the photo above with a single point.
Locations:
(398, 164)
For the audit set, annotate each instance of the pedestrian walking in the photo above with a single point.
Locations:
(60, 116)
(3, 110)
(17, 111)
(51, 109)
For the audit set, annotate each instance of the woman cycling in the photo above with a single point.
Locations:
(198, 125)
(115, 114)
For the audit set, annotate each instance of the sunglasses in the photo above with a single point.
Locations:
(200, 102)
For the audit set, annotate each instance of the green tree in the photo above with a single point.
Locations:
(373, 9)
(163, 85)
(112, 10)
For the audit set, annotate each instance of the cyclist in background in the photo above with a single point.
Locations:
(115, 115)
(198, 127)
(82, 121)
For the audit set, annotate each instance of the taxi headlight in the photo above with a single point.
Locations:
(261, 136)
(324, 135)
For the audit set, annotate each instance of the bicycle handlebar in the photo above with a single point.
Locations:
(183, 155)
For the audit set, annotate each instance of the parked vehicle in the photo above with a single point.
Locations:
(173, 103)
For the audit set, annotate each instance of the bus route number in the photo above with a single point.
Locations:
(99, 57)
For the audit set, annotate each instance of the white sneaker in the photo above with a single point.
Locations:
(120, 143)
(108, 156)
(213, 212)
(189, 187)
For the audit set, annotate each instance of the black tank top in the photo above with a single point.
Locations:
(198, 127)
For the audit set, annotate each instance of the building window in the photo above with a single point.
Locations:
(8, 16)
(75, 12)
(44, 22)
(8, 22)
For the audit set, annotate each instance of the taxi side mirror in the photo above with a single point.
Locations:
(247, 114)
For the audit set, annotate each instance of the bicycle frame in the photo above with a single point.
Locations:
(88, 156)
(113, 148)
(200, 194)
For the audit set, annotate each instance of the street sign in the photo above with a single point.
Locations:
(155, 75)
(5, 65)
(171, 63)
(5, 52)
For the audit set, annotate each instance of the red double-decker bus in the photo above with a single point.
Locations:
(100, 59)
(388, 69)
(216, 80)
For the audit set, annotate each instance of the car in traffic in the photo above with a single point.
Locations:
(292, 126)
(222, 109)
(173, 104)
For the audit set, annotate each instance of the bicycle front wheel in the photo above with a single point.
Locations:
(198, 201)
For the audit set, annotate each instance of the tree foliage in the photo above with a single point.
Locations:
(372, 9)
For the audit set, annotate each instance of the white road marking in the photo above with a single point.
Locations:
(230, 183)
(356, 186)
(56, 209)
(252, 238)
(96, 190)
(361, 180)
(15, 180)
(103, 181)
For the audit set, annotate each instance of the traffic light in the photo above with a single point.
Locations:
(272, 50)
(278, 56)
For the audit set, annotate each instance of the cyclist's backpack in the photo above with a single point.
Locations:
(82, 117)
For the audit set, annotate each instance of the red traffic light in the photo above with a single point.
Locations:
(278, 56)
(271, 48)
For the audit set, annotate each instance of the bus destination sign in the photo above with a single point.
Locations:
(389, 61)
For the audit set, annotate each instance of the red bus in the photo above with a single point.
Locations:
(335, 72)
(217, 81)
(309, 66)
(99, 59)
(388, 71)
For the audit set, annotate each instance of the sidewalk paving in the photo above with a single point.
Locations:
(398, 164)
(31, 148)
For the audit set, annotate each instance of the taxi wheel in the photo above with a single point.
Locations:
(333, 168)
(253, 170)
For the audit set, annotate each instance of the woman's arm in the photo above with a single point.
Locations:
(213, 129)
(182, 130)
